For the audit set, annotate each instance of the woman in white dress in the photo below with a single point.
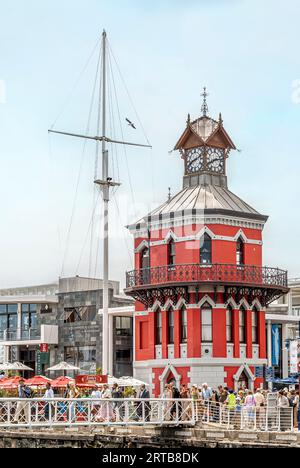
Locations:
(106, 412)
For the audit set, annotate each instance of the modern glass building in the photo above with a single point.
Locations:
(43, 325)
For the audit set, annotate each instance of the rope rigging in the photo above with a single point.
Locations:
(116, 126)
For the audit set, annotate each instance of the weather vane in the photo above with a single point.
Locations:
(204, 107)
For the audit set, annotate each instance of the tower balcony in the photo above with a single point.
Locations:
(266, 283)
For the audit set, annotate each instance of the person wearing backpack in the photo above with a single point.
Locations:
(24, 394)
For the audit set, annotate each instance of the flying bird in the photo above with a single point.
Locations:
(130, 124)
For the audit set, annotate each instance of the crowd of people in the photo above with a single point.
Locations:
(106, 404)
(249, 401)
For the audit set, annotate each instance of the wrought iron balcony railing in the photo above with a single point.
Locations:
(216, 273)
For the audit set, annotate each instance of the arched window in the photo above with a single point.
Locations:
(242, 325)
(183, 325)
(206, 250)
(206, 323)
(229, 324)
(171, 253)
(145, 258)
(158, 323)
(145, 264)
(171, 326)
(240, 252)
(255, 313)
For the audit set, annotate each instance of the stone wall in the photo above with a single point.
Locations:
(146, 437)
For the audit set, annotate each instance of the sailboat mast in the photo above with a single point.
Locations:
(105, 184)
(105, 189)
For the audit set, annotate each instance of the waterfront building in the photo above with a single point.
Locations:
(200, 287)
(283, 325)
(42, 325)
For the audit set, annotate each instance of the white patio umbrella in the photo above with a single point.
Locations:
(14, 366)
(63, 366)
(130, 382)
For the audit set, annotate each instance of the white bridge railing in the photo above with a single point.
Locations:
(134, 412)
(88, 412)
(252, 418)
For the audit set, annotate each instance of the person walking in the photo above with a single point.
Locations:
(144, 395)
(231, 406)
(284, 411)
(206, 396)
(72, 394)
(176, 406)
(24, 393)
(117, 394)
(96, 404)
(249, 408)
(49, 395)
(294, 404)
(260, 408)
(167, 406)
(106, 413)
(185, 406)
(195, 398)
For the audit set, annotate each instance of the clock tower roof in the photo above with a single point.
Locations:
(204, 131)
(205, 146)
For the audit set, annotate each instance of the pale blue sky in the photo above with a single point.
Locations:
(245, 51)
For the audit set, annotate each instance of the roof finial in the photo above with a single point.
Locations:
(188, 119)
(169, 194)
(204, 107)
(220, 119)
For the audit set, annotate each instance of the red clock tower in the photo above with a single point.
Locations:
(200, 288)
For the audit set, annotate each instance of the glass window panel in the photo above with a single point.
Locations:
(229, 324)
(71, 355)
(171, 326)
(123, 355)
(255, 327)
(3, 309)
(158, 327)
(25, 321)
(33, 320)
(3, 322)
(242, 318)
(206, 250)
(206, 325)
(171, 253)
(123, 326)
(33, 307)
(12, 308)
(206, 317)
(25, 307)
(240, 252)
(184, 325)
(86, 354)
(13, 321)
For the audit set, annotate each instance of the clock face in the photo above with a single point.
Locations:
(195, 159)
(215, 160)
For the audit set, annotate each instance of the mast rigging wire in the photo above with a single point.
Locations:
(79, 173)
(66, 102)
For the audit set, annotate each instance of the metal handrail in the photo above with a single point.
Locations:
(37, 412)
(214, 273)
(17, 334)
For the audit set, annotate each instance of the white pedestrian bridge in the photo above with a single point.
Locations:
(86, 412)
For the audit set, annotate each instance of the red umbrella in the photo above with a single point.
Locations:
(38, 381)
(10, 384)
(62, 382)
